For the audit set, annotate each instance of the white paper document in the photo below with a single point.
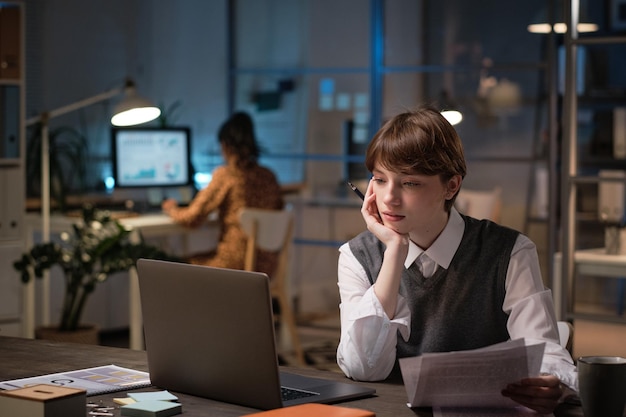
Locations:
(96, 380)
(518, 411)
(471, 378)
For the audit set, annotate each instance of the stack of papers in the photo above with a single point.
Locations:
(472, 378)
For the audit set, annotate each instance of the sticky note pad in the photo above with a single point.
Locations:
(152, 396)
(151, 408)
(123, 401)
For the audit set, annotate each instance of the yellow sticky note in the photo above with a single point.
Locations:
(123, 401)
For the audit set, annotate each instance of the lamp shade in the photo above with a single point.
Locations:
(560, 27)
(543, 23)
(454, 117)
(449, 109)
(133, 109)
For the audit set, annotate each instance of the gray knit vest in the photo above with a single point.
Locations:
(459, 308)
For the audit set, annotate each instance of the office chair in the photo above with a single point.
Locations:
(480, 204)
(272, 230)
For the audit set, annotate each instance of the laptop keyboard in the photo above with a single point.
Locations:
(292, 393)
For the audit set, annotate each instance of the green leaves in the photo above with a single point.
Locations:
(97, 247)
(68, 152)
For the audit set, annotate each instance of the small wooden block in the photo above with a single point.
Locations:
(43, 400)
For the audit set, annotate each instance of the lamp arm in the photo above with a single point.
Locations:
(45, 116)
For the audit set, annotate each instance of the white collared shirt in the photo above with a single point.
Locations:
(367, 349)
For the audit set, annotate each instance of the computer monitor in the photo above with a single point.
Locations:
(151, 157)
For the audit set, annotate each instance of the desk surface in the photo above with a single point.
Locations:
(126, 218)
(22, 358)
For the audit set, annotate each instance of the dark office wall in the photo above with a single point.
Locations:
(175, 52)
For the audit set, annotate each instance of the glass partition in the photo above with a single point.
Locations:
(301, 34)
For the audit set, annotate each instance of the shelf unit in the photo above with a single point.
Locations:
(572, 179)
(545, 155)
(12, 110)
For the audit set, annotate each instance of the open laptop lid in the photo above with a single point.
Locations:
(210, 332)
(206, 334)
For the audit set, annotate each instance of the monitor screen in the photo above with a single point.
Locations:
(151, 157)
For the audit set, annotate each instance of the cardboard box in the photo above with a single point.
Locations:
(43, 401)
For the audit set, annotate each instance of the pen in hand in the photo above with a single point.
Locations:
(356, 191)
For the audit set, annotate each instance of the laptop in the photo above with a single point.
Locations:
(209, 332)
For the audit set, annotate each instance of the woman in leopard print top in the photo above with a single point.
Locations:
(240, 182)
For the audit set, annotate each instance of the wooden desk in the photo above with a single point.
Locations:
(22, 358)
(590, 262)
(155, 225)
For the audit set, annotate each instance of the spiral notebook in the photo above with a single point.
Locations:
(97, 380)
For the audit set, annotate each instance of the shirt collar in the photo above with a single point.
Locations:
(444, 247)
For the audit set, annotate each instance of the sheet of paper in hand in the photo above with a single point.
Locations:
(471, 378)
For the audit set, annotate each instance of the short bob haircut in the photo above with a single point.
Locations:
(418, 142)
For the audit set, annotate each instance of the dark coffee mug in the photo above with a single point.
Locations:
(602, 385)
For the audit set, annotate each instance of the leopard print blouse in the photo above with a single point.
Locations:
(231, 188)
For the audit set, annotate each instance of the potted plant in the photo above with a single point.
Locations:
(97, 247)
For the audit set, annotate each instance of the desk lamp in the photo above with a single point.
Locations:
(132, 110)
(449, 109)
(550, 18)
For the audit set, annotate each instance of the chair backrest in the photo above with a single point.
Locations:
(269, 230)
(566, 335)
(272, 230)
(480, 204)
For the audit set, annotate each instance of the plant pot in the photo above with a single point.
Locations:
(88, 334)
